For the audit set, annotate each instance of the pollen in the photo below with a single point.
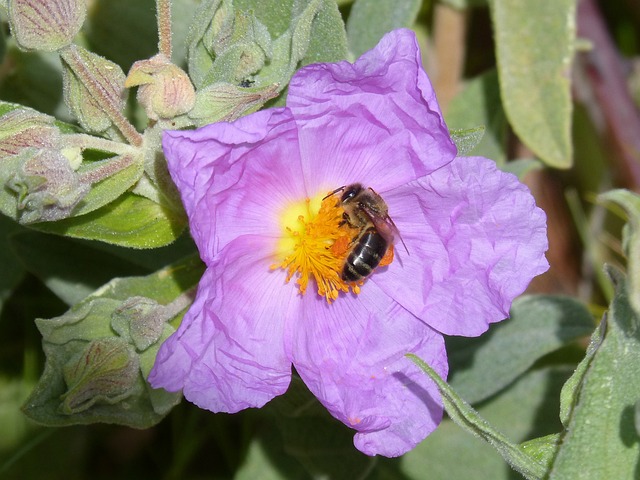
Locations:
(314, 246)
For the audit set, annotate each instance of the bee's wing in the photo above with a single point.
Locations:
(385, 226)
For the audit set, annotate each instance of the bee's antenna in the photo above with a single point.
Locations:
(334, 192)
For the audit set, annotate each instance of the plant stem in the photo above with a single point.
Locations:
(164, 27)
(85, 141)
(107, 169)
(180, 303)
(604, 72)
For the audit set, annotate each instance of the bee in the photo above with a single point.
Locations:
(366, 211)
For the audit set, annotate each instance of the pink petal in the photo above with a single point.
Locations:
(351, 356)
(234, 178)
(376, 121)
(228, 353)
(475, 238)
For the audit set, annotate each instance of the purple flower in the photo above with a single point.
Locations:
(272, 295)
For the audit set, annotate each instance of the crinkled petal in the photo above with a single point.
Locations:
(475, 239)
(351, 355)
(228, 353)
(376, 121)
(235, 178)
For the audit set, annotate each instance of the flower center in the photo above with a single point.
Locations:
(315, 244)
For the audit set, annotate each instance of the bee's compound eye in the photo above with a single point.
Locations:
(350, 192)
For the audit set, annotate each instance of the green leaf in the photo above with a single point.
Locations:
(543, 449)
(151, 259)
(200, 56)
(97, 363)
(122, 30)
(112, 187)
(130, 221)
(538, 325)
(328, 42)
(601, 440)
(631, 239)
(571, 389)
(12, 269)
(181, 20)
(265, 462)
(14, 427)
(462, 4)
(521, 166)
(470, 420)
(322, 445)
(274, 14)
(521, 411)
(315, 34)
(466, 140)
(35, 81)
(369, 20)
(479, 104)
(291, 47)
(47, 257)
(534, 47)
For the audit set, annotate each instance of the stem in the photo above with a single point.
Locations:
(180, 303)
(470, 420)
(77, 64)
(107, 169)
(164, 27)
(604, 72)
(84, 142)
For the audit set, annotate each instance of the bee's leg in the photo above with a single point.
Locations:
(346, 220)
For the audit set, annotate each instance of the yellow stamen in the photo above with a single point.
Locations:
(315, 244)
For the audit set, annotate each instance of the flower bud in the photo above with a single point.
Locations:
(93, 87)
(227, 102)
(46, 25)
(165, 90)
(22, 128)
(105, 371)
(140, 318)
(46, 186)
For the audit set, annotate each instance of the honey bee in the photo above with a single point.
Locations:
(366, 211)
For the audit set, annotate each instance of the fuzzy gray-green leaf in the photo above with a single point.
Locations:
(479, 103)
(630, 201)
(538, 325)
(535, 46)
(129, 221)
(470, 420)
(601, 440)
(95, 373)
(369, 20)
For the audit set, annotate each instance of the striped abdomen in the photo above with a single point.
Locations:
(365, 256)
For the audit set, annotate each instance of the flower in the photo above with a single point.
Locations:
(256, 192)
